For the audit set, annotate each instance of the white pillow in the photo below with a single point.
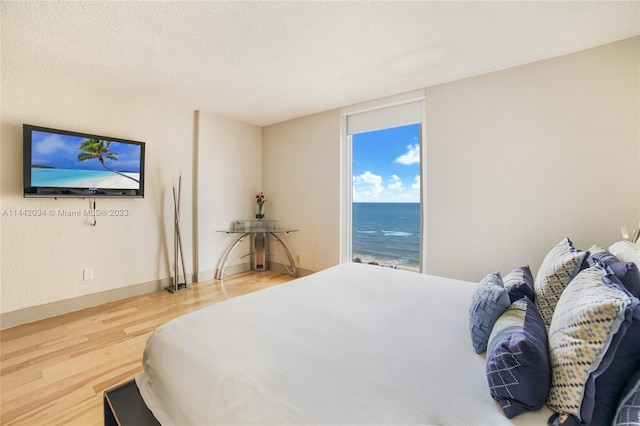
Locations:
(626, 251)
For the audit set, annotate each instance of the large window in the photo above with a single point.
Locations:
(386, 197)
(382, 202)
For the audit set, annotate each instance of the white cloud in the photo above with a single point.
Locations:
(43, 150)
(367, 185)
(368, 177)
(412, 156)
(52, 144)
(395, 183)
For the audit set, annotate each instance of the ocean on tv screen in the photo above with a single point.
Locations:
(68, 178)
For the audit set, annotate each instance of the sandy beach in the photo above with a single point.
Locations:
(116, 182)
(387, 264)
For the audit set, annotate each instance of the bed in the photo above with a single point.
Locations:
(362, 344)
(353, 344)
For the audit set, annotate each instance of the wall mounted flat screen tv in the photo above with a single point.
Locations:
(60, 163)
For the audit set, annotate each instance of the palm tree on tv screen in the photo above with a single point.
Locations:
(98, 148)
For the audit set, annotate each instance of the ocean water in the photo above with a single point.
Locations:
(80, 178)
(387, 233)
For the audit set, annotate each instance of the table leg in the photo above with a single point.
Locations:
(287, 252)
(232, 246)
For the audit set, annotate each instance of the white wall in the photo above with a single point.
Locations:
(229, 175)
(516, 160)
(301, 174)
(44, 257)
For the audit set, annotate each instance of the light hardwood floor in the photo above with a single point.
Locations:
(54, 371)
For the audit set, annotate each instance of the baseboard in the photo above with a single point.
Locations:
(286, 269)
(203, 276)
(48, 310)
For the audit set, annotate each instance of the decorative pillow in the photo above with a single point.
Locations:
(626, 272)
(593, 345)
(611, 377)
(519, 284)
(626, 251)
(560, 265)
(595, 249)
(628, 413)
(518, 369)
(489, 301)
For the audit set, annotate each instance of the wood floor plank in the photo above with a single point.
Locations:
(87, 413)
(25, 340)
(55, 371)
(14, 381)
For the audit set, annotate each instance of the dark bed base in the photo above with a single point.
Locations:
(123, 406)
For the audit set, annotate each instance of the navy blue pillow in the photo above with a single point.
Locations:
(609, 385)
(628, 413)
(519, 284)
(518, 368)
(626, 272)
(602, 390)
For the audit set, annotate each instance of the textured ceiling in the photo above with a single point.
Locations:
(266, 62)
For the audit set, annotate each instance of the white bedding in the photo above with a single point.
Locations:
(354, 344)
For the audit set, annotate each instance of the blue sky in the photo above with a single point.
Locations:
(386, 165)
(61, 152)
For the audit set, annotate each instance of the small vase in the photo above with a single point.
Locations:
(260, 214)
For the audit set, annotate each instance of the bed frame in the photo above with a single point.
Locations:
(123, 406)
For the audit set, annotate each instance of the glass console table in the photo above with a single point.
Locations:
(258, 230)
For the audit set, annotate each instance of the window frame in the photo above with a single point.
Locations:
(346, 167)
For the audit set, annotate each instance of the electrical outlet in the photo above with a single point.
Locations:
(87, 274)
(298, 258)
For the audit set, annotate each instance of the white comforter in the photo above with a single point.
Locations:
(354, 344)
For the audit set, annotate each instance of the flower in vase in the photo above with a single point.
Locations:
(260, 200)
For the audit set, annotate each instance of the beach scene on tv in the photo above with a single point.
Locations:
(64, 161)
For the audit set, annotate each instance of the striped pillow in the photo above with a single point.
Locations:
(519, 284)
(518, 370)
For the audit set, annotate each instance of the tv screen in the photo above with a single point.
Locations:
(60, 163)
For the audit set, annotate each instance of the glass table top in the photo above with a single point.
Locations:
(257, 226)
(257, 231)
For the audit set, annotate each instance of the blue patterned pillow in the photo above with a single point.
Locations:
(628, 413)
(489, 301)
(518, 369)
(560, 265)
(626, 272)
(519, 284)
(593, 346)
